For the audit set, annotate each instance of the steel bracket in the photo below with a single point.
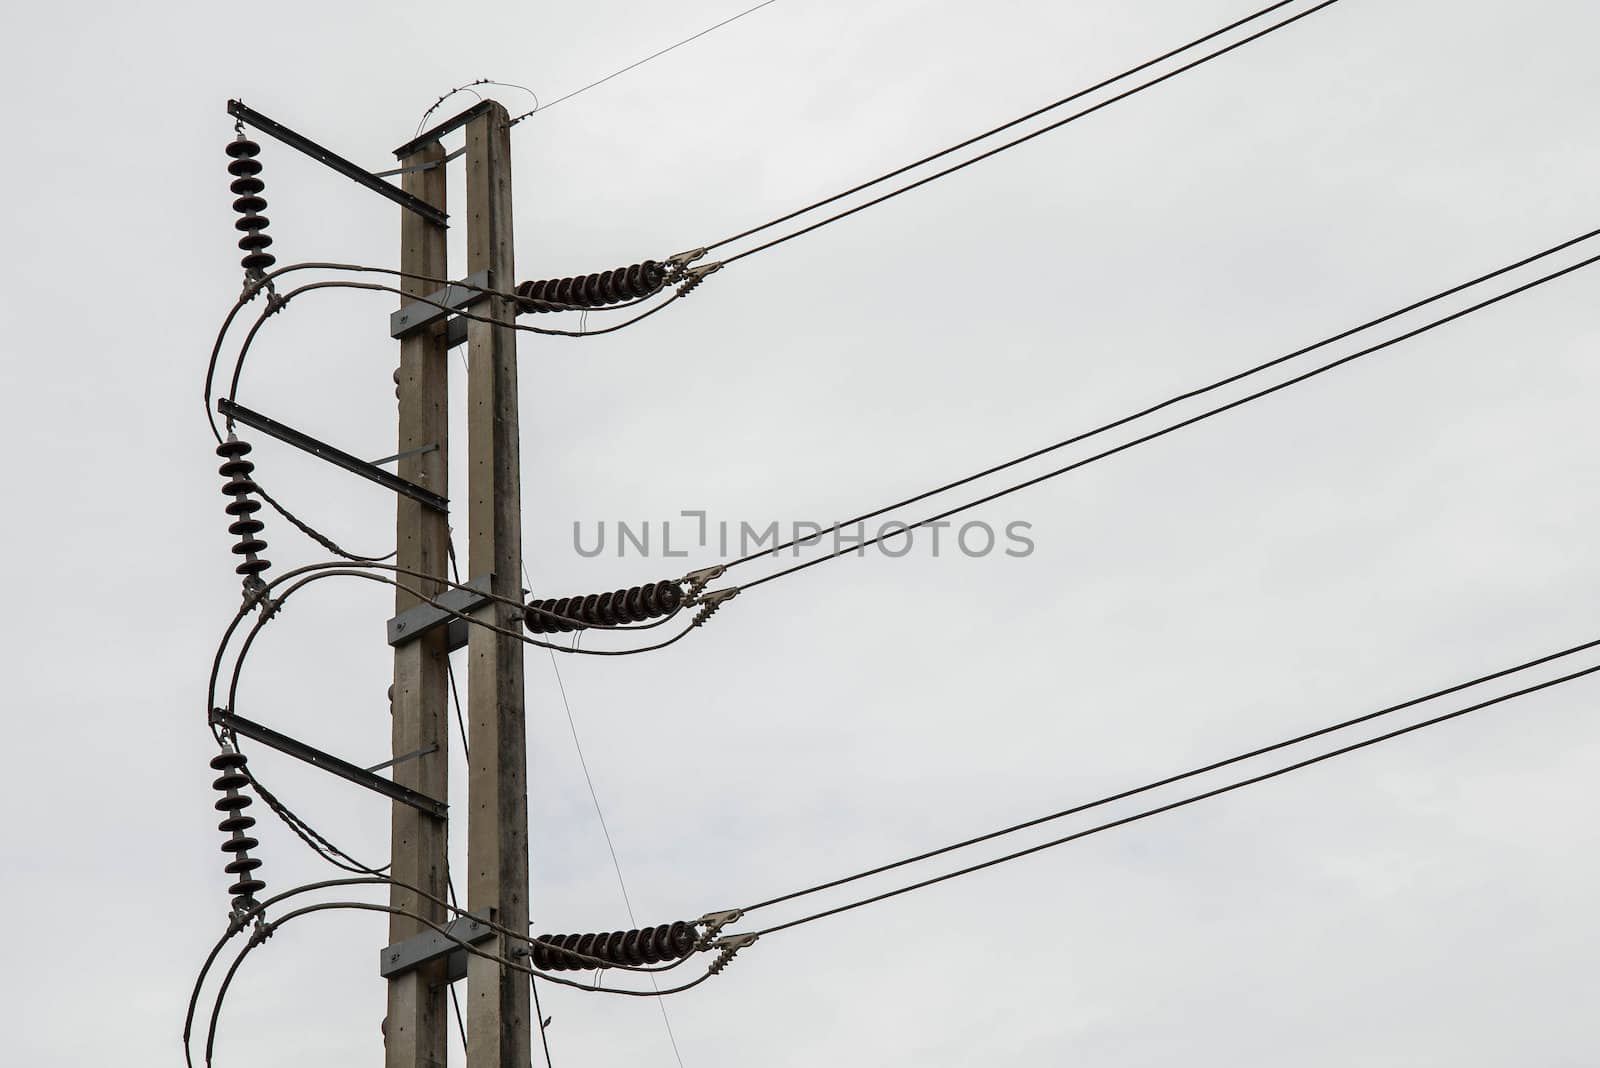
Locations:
(418, 620)
(418, 315)
(397, 958)
(360, 175)
(328, 762)
(323, 451)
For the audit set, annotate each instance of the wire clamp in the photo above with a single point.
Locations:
(710, 602)
(678, 265)
(693, 276)
(714, 922)
(255, 595)
(729, 946)
(697, 581)
(263, 931)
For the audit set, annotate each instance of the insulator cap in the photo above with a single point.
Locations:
(231, 780)
(635, 605)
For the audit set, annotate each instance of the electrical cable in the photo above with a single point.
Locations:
(1080, 94)
(264, 596)
(240, 920)
(1026, 137)
(309, 835)
(348, 572)
(367, 906)
(546, 107)
(1179, 398)
(1181, 776)
(1181, 803)
(317, 536)
(375, 287)
(1203, 416)
(266, 283)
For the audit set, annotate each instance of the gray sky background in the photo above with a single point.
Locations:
(1418, 518)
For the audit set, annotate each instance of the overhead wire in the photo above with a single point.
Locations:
(1180, 397)
(1080, 94)
(241, 921)
(1181, 803)
(1182, 776)
(1059, 123)
(1174, 427)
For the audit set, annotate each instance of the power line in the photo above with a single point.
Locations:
(1147, 813)
(1191, 421)
(639, 63)
(1179, 398)
(1026, 137)
(1080, 94)
(1180, 777)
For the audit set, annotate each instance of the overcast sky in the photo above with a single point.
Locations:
(1418, 518)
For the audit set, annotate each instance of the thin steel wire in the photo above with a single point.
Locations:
(639, 63)
(616, 864)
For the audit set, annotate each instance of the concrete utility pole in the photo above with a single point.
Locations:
(499, 1018)
(417, 1024)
